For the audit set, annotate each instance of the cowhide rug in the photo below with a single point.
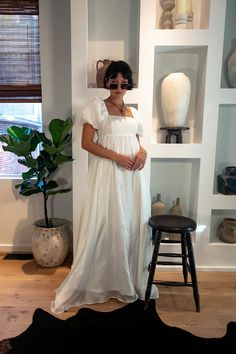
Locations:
(128, 328)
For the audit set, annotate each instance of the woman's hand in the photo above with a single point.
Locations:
(140, 160)
(124, 161)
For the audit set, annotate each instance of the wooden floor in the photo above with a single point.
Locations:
(24, 286)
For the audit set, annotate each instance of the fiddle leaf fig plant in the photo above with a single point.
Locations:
(42, 156)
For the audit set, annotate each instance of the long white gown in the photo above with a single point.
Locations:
(114, 247)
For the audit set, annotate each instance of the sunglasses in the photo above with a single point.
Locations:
(115, 86)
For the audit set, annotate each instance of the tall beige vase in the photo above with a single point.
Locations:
(232, 65)
(175, 98)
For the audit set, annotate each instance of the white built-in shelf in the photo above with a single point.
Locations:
(180, 37)
(176, 151)
(227, 96)
(224, 202)
(187, 170)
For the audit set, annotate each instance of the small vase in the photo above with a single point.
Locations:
(175, 210)
(101, 67)
(226, 230)
(175, 97)
(158, 207)
(232, 65)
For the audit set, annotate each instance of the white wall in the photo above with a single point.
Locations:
(17, 213)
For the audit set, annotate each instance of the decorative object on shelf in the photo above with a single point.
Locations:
(184, 14)
(226, 183)
(101, 67)
(175, 210)
(158, 207)
(166, 21)
(50, 246)
(177, 132)
(175, 97)
(232, 65)
(226, 230)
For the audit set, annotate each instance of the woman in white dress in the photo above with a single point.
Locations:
(114, 247)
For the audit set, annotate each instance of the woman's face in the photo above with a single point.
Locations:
(117, 86)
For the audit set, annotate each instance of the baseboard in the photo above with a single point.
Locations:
(9, 248)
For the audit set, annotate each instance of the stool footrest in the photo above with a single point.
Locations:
(171, 241)
(180, 255)
(169, 263)
(171, 283)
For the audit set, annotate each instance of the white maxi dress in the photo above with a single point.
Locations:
(114, 246)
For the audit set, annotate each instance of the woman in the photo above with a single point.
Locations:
(114, 247)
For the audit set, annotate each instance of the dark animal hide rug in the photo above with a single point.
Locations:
(128, 328)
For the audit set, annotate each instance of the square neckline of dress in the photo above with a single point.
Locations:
(116, 115)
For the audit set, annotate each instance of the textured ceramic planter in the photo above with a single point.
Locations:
(226, 230)
(50, 246)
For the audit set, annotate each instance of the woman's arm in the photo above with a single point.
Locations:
(89, 145)
(140, 158)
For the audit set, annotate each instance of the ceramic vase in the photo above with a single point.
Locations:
(101, 67)
(232, 66)
(158, 207)
(226, 230)
(176, 210)
(175, 97)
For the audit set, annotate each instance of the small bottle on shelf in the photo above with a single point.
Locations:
(158, 207)
(175, 210)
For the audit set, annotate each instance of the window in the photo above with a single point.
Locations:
(20, 80)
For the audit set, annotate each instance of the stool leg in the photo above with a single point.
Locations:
(168, 137)
(153, 236)
(152, 268)
(193, 271)
(184, 259)
(179, 137)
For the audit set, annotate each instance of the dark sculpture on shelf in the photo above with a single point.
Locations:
(226, 183)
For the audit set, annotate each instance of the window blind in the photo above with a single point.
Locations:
(20, 79)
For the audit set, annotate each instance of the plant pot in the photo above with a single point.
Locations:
(50, 246)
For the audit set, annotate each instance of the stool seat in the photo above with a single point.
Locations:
(176, 224)
(172, 223)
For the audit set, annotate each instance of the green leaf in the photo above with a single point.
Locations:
(61, 191)
(59, 159)
(52, 185)
(28, 188)
(29, 174)
(59, 130)
(19, 133)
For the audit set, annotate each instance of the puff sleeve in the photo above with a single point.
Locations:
(92, 113)
(139, 121)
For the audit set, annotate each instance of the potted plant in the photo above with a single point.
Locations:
(42, 157)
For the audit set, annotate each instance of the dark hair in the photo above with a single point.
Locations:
(117, 67)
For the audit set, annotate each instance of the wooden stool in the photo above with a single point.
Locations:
(179, 225)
